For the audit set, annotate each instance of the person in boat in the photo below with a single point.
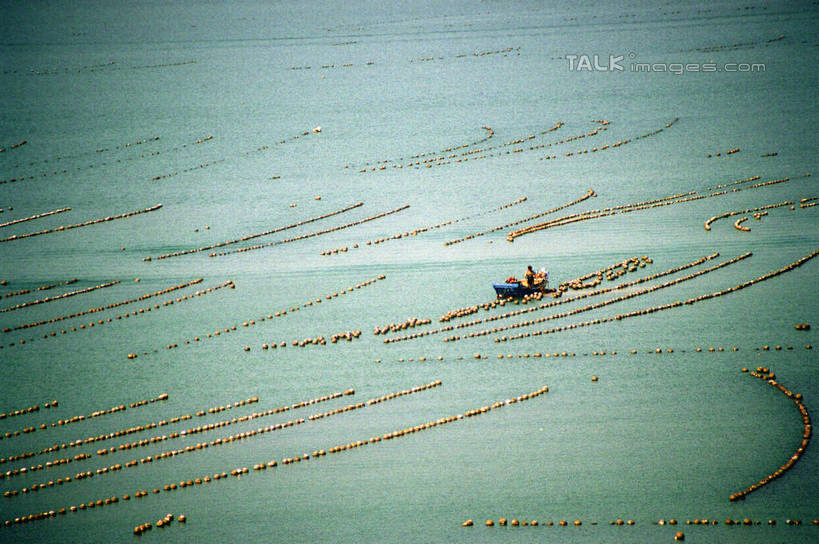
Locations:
(529, 277)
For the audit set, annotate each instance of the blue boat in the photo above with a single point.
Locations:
(516, 289)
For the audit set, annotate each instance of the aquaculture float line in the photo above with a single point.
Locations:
(92, 166)
(447, 150)
(75, 419)
(408, 324)
(420, 230)
(219, 441)
(738, 182)
(41, 288)
(616, 144)
(763, 373)
(718, 154)
(256, 235)
(440, 158)
(589, 194)
(13, 146)
(611, 272)
(227, 422)
(678, 536)
(164, 522)
(58, 297)
(281, 313)
(106, 67)
(317, 341)
(600, 353)
(295, 460)
(313, 234)
(96, 151)
(225, 159)
(127, 315)
(84, 224)
(481, 152)
(468, 311)
(101, 308)
(115, 434)
(749, 210)
(33, 217)
(628, 208)
(663, 307)
(418, 60)
(605, 290)
(597, 305)
(29, 410)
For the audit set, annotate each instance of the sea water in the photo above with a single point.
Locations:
(210, 108)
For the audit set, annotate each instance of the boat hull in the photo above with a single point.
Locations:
(516, 290)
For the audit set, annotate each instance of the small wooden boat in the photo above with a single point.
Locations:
(516, 289)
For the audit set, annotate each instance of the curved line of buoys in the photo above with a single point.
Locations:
(629, 208)
(421, 230)
(598, 305)
(106, 307)
(29, 410)
(766, 375)
(60, 296)
(313, 234)
(282, 313)
(738, 224)
(83, 224)
(33, 217)
(115, 434)
(91, 166)
(452, 314)
(676, 304)
(450, 149)
(749, 210)
(615, 145)
(92, 415)
(588, 195)
(220, 441)
(298, 459)
(40, 288)
(611, 273)
(257, 234)
(428, 160)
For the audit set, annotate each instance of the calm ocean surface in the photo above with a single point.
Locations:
(209, 109)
